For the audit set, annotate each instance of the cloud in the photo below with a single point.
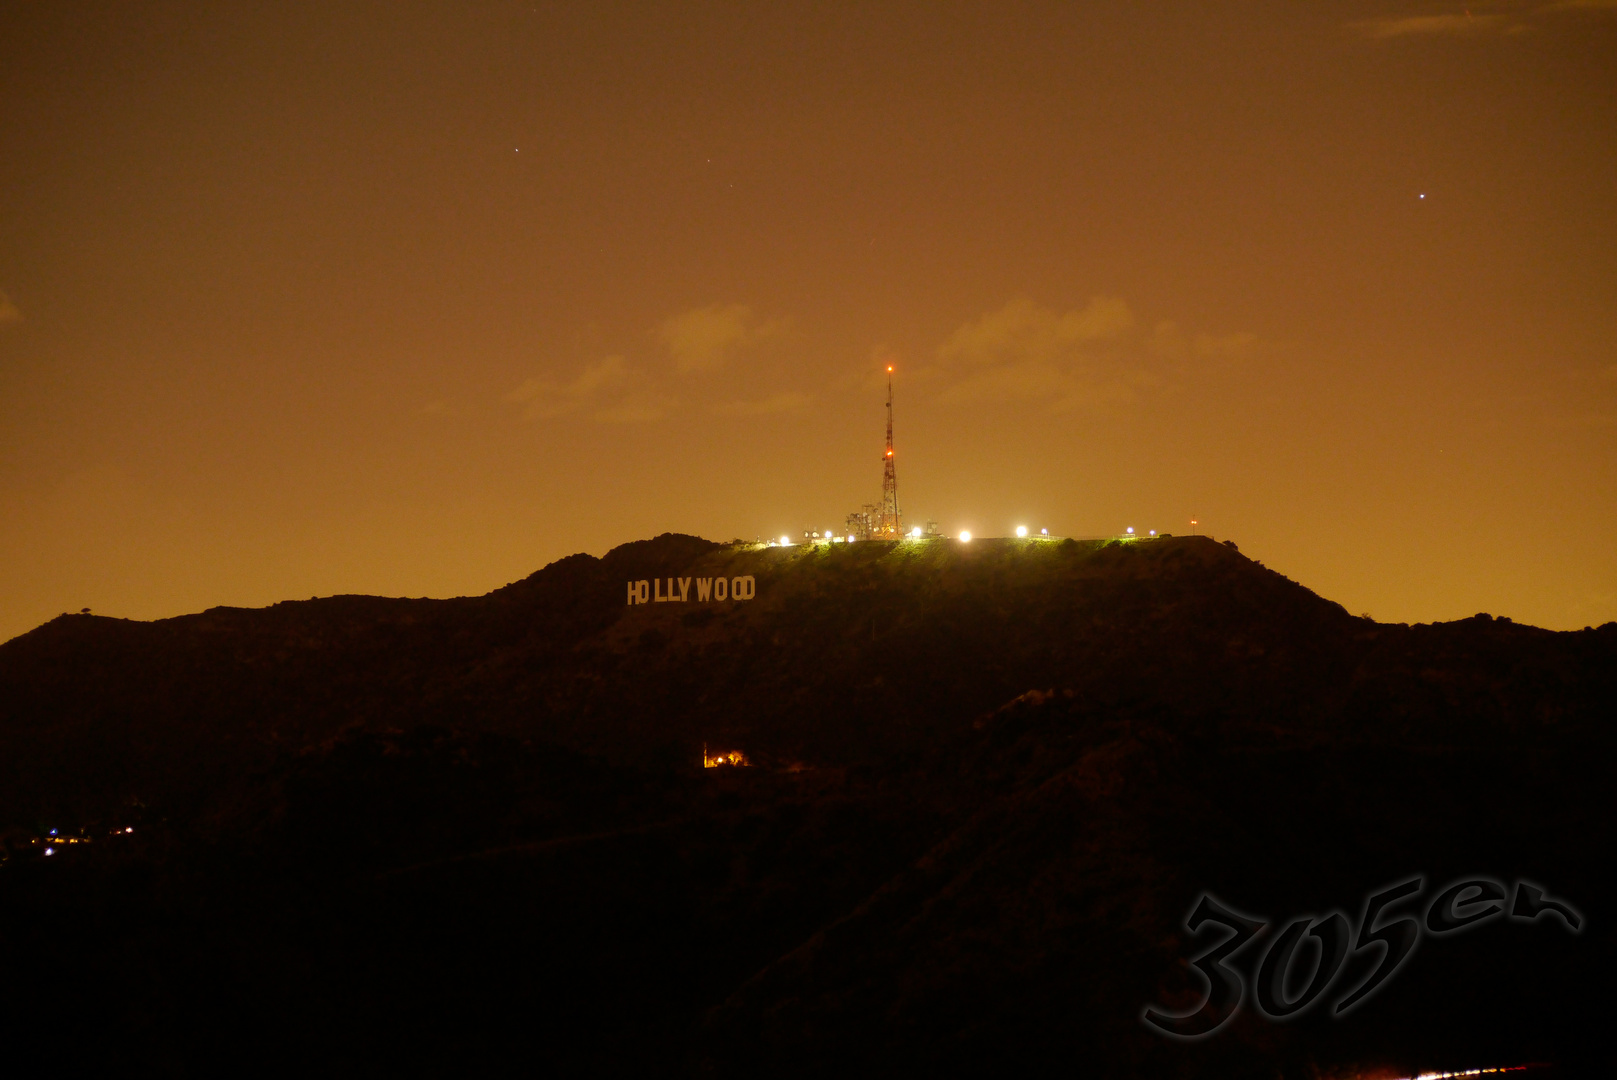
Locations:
(1452, 25)
(1097, 357)
(8, 311)
(608, 390)
(1059, 390)
(1167, 340)
(1506, 18)
(775, 403)
(1023, 331)
(703, 339)
(1066, 360)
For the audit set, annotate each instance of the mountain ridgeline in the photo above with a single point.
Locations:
(987, 782)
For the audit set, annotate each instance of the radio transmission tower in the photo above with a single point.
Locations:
(889, 527)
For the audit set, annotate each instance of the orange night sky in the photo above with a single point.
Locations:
(411, 299)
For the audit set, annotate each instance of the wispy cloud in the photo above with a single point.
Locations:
(1500, 17)
(9, 312)
(1167, 340)
(775, 403)
(704, 339)
(608, 390)
(1022, 331)
(1446, 25)
(1066, 360)
(1097, 357)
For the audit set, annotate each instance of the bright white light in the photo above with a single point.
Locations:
(850, 539)
(130, 829)
(1153, 532)
(1044, 532)
(786, 541)
(965, 537)
(1021, 530)
(1130, 530)
(50, 851)
(916, 532)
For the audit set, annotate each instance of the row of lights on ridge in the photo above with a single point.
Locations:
(915, 534)
(53, 840)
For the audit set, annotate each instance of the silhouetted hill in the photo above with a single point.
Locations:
(988, 782)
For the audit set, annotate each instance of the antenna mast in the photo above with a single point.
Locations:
(890, 526)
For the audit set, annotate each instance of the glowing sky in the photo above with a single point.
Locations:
(411, 299)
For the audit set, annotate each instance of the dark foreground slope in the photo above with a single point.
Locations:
(989, 782)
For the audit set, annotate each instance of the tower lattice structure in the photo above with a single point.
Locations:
(889, 525)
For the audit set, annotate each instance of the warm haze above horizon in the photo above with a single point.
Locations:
(413, 299)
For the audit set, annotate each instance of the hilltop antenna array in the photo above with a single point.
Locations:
(890, 525)
(881, 521)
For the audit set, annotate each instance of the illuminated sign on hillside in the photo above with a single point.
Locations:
(679, 590)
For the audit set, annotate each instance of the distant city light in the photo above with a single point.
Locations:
(786, 541)
(916, 532)
(850, 538)
(1044, 532)
(965, 537)
(1130, 530)
(1153, 532)
(1021, 530)
(50, 851)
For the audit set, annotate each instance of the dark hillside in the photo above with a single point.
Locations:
(847, 652)
(988, 783)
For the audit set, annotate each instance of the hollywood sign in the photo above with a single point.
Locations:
(651, 592)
